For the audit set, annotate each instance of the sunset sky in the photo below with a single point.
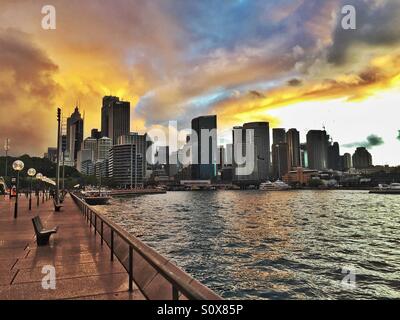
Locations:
(288, 62)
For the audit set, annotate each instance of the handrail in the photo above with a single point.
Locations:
(153, 259)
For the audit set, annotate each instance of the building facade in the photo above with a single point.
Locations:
(204, 161)
(115, 118)
(317, 149)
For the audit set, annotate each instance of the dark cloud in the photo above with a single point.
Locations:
(372, 141)
(295, 82)
(377, 25)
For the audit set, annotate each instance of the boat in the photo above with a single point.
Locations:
(393, 188)
(274, 186)
(96, 198)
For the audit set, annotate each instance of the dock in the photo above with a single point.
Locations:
(92, 257)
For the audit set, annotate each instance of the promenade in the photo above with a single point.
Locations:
(83, 266)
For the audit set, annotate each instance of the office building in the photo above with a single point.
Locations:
(334, 161)
(346, 163)
(317, 149)
(125, 166)
(303, 155)
(280, 160)
(293, 142)
(261, 156)
(95, 134)
(362, 159)
(51, 154)
(204, 161)
(115, 118)
(75, 128)
(104, 145)
(278, 135)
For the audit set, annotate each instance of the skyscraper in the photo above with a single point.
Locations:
(334, 161)
(293, 141)
(362, 159)
(346, 162)
(204, 165)
(115, 118)
(261, 152)
(317, 149)
(278, 135)
(303, 155)
(280, 160)
(74, 134)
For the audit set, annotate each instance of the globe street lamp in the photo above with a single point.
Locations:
(18, 165)
(31, 173)
(39, 176)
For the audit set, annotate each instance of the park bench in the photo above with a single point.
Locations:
(57, 206)
(42, 235)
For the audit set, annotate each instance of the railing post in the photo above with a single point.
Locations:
(95, 225)
(130, 269)
(90, 220)
(101, 230)
(175, 293)
(112, 245)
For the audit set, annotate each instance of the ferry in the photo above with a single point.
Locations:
(393, 188)
(274, 186)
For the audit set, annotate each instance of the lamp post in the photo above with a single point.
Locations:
(44, 187)
(39, 176)
(6, 149)
(31, 174)
(18, 165)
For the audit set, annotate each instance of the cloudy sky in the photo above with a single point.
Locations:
(288, 62)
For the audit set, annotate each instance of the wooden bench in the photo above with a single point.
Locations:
(57, 206)
(42, 235)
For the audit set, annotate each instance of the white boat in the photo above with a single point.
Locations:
(392, 186)
(274, 186)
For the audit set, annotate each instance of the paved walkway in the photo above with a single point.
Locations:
(83, 266)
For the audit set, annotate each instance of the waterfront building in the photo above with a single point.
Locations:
(300, 176)
(293, 142)
(115, 118)
(125, 166)
(346, 162)
(75, 126)
(334, 161)
(280, 160)
(303, 155)
(362, 159)
(142, 143)
(204, 167)
(317, 149)
(261, 154)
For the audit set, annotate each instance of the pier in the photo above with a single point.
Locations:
(93, 258)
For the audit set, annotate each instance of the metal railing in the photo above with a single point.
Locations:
(181, 283)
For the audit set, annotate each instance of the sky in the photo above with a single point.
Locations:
(288, 62)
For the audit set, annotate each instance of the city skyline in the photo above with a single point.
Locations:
(285, 62)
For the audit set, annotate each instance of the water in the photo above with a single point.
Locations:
(276, 245)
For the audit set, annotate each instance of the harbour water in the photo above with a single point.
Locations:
(274, 245)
